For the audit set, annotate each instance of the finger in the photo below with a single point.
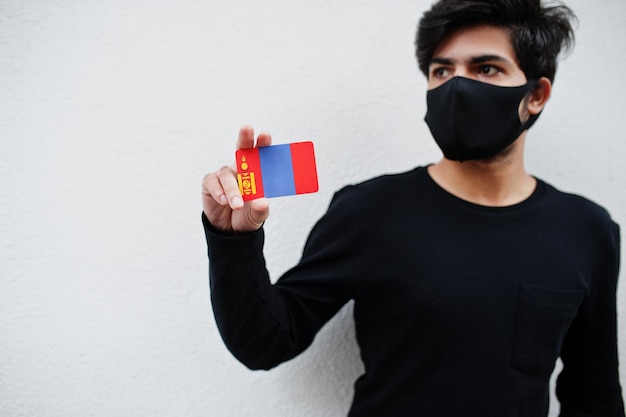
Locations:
(212, 187)
(259, 210)
(253, 217)
(246, 137)
(264, 139)
(230, 187)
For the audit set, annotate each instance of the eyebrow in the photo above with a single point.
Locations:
(474, 60)
(488, 58)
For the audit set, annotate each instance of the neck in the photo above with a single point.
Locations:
(498, 182)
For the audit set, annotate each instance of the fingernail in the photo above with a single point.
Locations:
(223, 199)
(237, 202)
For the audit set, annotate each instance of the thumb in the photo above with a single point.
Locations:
(252, 216)
(259, 211)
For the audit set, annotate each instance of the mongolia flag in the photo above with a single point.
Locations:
(276, 171)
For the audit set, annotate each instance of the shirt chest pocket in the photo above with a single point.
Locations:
(543, 318)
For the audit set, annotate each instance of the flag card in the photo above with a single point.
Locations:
(276, 171)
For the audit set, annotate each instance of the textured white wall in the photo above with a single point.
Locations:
(112, 111)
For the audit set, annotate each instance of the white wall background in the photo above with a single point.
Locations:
(111, 112)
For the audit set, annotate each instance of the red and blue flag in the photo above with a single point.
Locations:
(277, 171)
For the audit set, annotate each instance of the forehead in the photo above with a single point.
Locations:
(475, 41)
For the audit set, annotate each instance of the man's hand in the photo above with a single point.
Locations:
(221, 199)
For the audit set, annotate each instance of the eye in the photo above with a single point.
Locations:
(488, 70)
(439, 72)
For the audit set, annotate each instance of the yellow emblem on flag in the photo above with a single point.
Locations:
(247, 183)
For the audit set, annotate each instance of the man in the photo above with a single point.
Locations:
(468, 288)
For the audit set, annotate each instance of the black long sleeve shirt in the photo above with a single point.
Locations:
(460, 309)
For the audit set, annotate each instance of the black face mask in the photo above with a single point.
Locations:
(473, 120)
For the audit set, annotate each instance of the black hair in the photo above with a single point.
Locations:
(538, 32)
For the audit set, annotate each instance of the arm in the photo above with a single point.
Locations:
(589, 383)
(264, 324)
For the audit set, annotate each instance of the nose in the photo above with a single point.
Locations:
(462, 71)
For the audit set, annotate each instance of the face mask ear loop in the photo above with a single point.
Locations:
(533, 117)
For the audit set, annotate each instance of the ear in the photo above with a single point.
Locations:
(539, 96)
